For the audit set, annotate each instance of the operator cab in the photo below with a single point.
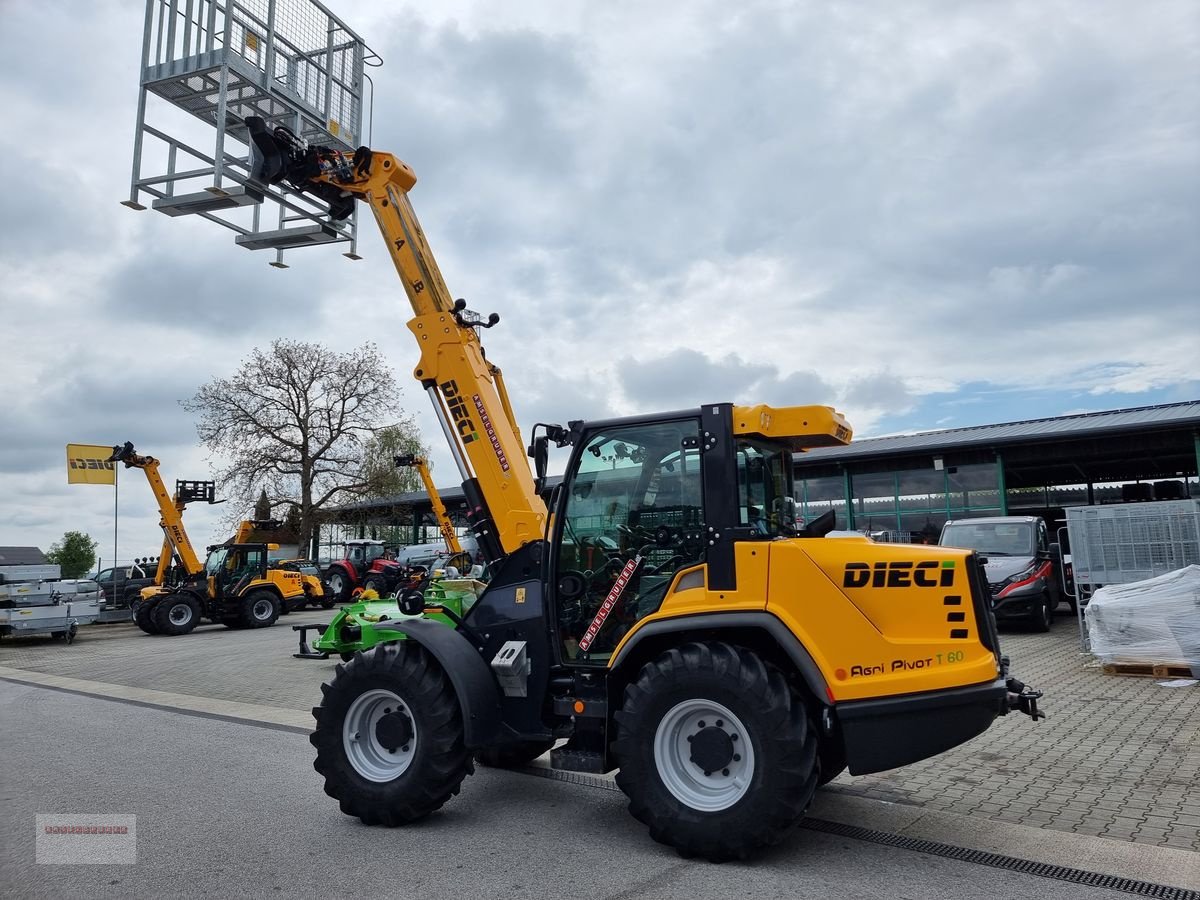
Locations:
(644, 505)
(233, 566)
(361, 553)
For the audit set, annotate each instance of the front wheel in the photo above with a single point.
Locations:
(717, 755)
(1044, 615)
(389, 736)
(143, 616)
(376, 584)
(339, 587)
(259, 609)
(176, 614)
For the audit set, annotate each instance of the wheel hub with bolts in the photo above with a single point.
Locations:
(262, 609)
(703, 755)
(379, 735)
(180, 614)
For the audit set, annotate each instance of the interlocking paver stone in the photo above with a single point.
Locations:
(1118, 757)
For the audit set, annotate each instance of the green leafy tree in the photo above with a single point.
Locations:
(75, 554)
(379, 472)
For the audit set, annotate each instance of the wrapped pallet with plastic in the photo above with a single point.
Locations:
(1149, 622)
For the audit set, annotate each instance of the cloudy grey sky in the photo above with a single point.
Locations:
(927, 214)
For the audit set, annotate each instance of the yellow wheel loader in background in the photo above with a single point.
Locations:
(234, 586)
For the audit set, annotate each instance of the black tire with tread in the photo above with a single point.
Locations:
(442, 761)
(784, 740)
(509, 756)
(247, 606)
(1045, 614)
(376, 584)
(143, 616)
(161, 614)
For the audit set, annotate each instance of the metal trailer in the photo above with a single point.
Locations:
(56, 608)
(1128, 542)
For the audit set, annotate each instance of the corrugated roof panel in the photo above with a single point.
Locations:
(1187, 413)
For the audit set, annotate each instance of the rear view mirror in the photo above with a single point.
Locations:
(540, 451)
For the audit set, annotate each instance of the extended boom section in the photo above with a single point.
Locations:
(467, 391)
(170, 514)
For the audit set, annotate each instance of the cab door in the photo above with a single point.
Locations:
(630, 517)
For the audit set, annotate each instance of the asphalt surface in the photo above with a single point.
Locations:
(228, 809)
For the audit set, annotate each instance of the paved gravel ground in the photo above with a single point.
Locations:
(230, 810)
(1118, 758)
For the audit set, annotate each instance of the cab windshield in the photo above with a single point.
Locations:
(216, 560)
(991, 538)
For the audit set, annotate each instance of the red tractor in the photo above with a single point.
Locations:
(364, 564)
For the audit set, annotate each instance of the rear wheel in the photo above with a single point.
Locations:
(259, 609)
(176, 614)
(509, 756)
(389, 736)
(717, 755)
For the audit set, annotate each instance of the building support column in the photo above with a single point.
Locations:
(1196, 441)
(849, 499)
(1000, 483)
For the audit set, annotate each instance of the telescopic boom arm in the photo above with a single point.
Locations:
(467, 391)
(439, 508)
(170, 513)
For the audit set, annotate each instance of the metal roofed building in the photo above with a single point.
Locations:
(903, 487)
(908, 485)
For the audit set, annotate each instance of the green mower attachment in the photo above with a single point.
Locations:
(357, 627)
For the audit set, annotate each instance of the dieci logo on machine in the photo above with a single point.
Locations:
(459, 412)
(899, 574)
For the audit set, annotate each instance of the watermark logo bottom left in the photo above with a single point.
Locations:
(69, 839)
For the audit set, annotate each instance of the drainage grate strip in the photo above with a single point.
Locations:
(932, 848)
(999, 861)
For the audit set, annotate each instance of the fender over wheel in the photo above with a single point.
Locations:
(717, 754)
(389, 736)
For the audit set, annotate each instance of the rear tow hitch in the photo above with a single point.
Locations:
(1021, 698)
(307, 652)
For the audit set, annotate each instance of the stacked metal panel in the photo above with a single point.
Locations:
(1129, 542)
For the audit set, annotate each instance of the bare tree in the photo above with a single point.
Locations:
(294, 421)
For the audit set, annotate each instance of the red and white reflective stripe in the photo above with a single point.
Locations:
(1041, 571)
(610, 601)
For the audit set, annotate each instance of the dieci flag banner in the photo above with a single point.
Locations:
(88, 464)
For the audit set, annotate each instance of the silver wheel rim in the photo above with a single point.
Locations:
(180, 614)
(335, 585)
(366, 754)
(262, 609)
(686, 780)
